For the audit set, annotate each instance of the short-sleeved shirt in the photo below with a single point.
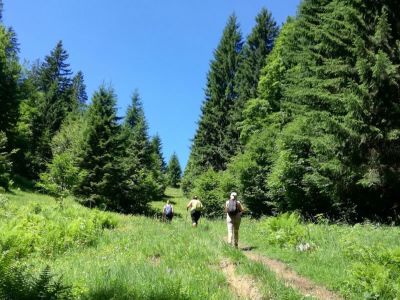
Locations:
(195, 205)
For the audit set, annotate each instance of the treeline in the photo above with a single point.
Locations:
(305, 120)
(50, 135)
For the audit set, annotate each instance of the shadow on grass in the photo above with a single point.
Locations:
(23, 184)
(248, 248)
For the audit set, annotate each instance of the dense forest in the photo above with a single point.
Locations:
(299, 118)
(305, 120)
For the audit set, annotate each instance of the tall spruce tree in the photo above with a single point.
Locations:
(79, 95)
(47, 96)
(212, 145)
(252, 59)
(102, 150)
(158, 166)
(174, 171)
(9, 75)
(137, 184)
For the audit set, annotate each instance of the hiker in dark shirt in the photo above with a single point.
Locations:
(168, 212)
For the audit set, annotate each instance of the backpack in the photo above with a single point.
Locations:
(168, 210)
(198, 206)
(232, 208)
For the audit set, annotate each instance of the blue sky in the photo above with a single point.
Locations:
(162, 48)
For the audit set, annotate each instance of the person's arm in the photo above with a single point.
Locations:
(240, 207)
(189, 205)
(225, 208)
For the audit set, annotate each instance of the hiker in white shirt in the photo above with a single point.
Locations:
(233, 210)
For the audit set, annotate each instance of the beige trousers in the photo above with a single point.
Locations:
(233, 229)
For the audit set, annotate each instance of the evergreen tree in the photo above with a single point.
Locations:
(136, 122)
(257, 47)
(323, 95)
(5, 163)
(9, 76)
(102, 150)
(156, 149)
(47, 95)
(137, 185)
(157, 167)
(212, 145)
(79, 89)
(174, 171)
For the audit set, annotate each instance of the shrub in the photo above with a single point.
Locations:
(376, 272)
(50, 230)
(213, 189)
(16, 282)
(284, 230)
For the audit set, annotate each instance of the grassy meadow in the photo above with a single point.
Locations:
(103, 255)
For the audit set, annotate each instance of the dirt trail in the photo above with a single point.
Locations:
(292, 279)
(243, 286)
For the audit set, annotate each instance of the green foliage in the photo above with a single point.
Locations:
(174, 171)
(48, 230)
(142, 178)
(101, 151)
(257, 47)
(285, 230)
(375, 274)
(213, 189)
(213, 143)
(62, 176)
(9, 75)
(17, 282)
(5, 163)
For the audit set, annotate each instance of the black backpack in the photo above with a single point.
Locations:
(232, 208)
(168, 210)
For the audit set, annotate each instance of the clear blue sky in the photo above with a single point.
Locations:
(161, 47)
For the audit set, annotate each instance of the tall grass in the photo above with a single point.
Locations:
(337, 256)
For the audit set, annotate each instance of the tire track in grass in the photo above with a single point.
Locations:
(243, 286)
(291, 278)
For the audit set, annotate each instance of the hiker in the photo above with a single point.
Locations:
(195, 206)
(168, 212)
(233, 210)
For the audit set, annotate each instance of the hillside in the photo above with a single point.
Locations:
(103, 255)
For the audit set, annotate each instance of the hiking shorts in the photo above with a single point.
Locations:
(195, 216)
(169, 217)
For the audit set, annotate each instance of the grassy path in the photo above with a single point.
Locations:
(245, 286)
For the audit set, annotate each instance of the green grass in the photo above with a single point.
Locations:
(143, 258)
(336, 249)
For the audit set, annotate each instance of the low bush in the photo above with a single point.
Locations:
(49, 229)
(285, 230)
(213, 189)
(375, 274)
(16, 282)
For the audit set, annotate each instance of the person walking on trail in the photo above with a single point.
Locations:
(195, 207)
(168, 212)
(234, 211)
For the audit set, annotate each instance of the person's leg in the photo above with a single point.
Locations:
(236, 226)
(195, 218)
(230, 230)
